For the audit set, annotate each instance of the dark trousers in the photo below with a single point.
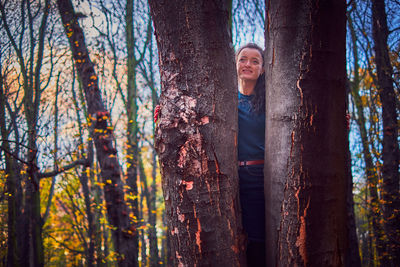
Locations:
(251, 188)
(255, 254)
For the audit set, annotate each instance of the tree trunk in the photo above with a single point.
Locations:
(83, 178)
(132, 128)
(141, 232)
(32, 204)
(166, 256)
(353, 255)
(374, 210)
(31, 247)
(152, 233)
(11, 181)
(390, 146)
(197, 131)
(305, 177)
(154, 257)
(117, 211)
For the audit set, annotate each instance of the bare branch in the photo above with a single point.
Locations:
(14, 156)
(83, 162)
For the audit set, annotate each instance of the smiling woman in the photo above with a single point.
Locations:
(249, 67)
(251, 122)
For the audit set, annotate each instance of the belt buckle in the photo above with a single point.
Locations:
(243, 163)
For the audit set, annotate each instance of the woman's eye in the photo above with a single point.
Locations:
(242, 60)
(255, 62)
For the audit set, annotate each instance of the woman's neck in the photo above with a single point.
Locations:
(246, 87)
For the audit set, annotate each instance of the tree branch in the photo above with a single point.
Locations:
(64, 245)
(11, 154)
(62, 169)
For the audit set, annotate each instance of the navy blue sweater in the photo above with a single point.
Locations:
(251, 136)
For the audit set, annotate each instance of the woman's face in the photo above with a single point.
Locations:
(249, 64)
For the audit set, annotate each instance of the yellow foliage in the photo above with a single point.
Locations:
(364, 100)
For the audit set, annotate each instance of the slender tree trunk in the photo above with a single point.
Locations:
(12, 244)
(98, 234)
(353, 255)
(374, 210)
(196, 134)
(165, 252)
(152, 232)
(154, 257)
(141, 232)
(305, 177)
(32, 204)
(132, 138)
(83, 178)
(374, 207)
(106, 250)
(117, 210)
(390, 146)
(32, 245)
(146, 193)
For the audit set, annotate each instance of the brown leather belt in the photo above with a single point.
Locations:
(251, 162)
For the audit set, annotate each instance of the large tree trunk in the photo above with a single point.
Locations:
(197, 131)
(390, 146)
(117, 211)
(305, 177)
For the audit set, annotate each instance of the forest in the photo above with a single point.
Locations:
(88, 177)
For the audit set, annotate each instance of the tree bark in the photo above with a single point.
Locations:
(117, 210)
(305, 177)
(390, 146)
(197, 131)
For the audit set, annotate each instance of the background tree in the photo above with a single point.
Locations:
(367, 137)
(28, 51)
(390, 145)
(123, 235)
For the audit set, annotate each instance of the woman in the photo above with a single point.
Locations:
(251, 121)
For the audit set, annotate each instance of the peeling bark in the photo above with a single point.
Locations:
(195, 138)
(305, 177)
